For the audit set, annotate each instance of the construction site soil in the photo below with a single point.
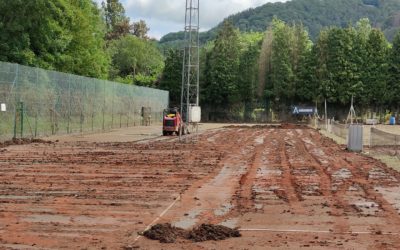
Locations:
(22, 142)
(282, 187)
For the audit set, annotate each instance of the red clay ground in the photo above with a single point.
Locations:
(285, 188)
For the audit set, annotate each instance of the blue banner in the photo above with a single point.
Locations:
(303, 110)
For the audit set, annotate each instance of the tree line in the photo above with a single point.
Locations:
(244, 74)
(79, 37)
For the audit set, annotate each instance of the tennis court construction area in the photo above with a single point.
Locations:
(281, 187)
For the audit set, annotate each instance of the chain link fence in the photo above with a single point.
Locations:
(384, 141)
(381, 138)
(41, 103)
(340, 130)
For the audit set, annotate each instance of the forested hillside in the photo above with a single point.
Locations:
(313, 14)
(245, 74)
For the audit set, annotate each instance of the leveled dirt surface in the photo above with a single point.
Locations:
(284, 188)
(22, 142)
(130, 134)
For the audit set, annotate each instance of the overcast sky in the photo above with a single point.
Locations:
(164, 16)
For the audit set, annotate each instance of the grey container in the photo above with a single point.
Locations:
(355, 139)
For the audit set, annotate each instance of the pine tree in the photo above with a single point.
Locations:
(222, 89)
(248, 78)
(376, 70)
(394, 73)
(282, 75)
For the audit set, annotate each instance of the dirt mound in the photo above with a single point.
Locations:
(207, 232)
(22, 141)
(166, 233)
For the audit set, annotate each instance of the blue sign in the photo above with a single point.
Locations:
(303, 110)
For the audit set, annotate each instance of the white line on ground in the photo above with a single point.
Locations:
(312, 231)
(158, 218)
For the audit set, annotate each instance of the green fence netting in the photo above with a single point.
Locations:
(42, 103)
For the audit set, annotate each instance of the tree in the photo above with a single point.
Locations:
(282, 75)
(171, 79)
(376, 70)
(307, 86)
(36, 36)
(301, 51)
(265, 65)
(135, 59)
(394, 73)
(221, 88)
(64, 35)
(85, 54)
(340, 69)
(114, 13)
(116, 21)
(288, 47)
(140, 29)
(248, 78)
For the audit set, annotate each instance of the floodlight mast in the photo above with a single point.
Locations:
(191, 58)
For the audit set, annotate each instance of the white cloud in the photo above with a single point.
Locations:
(164, 16)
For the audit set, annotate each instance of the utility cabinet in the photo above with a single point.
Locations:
(355, 138)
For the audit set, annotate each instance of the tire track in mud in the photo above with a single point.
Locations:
(246, 194)
(288, 181)
(102, 194)
(369, 174)
(335, 200)
(279, 167)
(212, 200)
(355, 170)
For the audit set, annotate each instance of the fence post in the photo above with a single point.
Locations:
(370, 137)
(16, 101)
(93, 105)
(104, 101)
(112, 107)
(15, 122)
(36, 123)
(69, 105)
(129, 113)
(21, 118)
(82, 102)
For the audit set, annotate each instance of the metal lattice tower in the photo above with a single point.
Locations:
(190, 71)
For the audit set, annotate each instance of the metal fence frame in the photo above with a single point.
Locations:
(43, 103)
